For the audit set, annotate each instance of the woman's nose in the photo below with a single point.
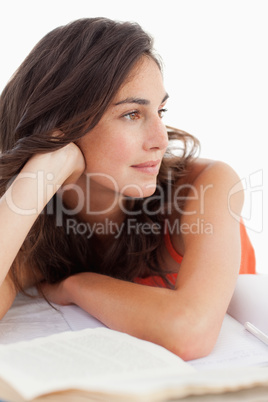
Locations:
(156, 136)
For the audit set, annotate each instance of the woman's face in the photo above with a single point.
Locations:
(124, 150)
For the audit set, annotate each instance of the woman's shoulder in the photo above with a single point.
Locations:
(212, 179)
(209, 169)
(210, 189)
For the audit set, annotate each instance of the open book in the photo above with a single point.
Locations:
(104, 364)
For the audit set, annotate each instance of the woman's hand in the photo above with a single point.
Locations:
(76, 162)
(57, 293)
(63, 166)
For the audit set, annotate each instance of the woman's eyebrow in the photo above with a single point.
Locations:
(139, 101)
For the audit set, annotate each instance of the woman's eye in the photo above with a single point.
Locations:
(161, 113)
(135, 115)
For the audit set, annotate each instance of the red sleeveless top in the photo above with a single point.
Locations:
(247, 264)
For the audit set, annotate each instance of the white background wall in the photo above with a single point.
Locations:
(216, 62)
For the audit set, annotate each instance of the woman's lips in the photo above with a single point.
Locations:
(150, 167)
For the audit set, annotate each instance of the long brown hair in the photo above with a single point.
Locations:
(66, 83)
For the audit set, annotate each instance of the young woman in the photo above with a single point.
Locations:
(94, 203)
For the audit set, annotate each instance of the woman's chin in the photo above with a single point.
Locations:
(140, 192)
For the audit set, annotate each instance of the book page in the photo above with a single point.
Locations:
(71, 362)
(250, 301)
(91, 358)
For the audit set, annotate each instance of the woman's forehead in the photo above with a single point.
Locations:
(144, 79)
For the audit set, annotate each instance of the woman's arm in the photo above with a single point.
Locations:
(23, 201)
(186, 320)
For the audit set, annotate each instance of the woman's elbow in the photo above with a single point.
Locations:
(190, 342)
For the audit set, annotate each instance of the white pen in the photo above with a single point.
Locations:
(256, 332)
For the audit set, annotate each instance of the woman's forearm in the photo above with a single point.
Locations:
(157, 315)
(19, 208)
